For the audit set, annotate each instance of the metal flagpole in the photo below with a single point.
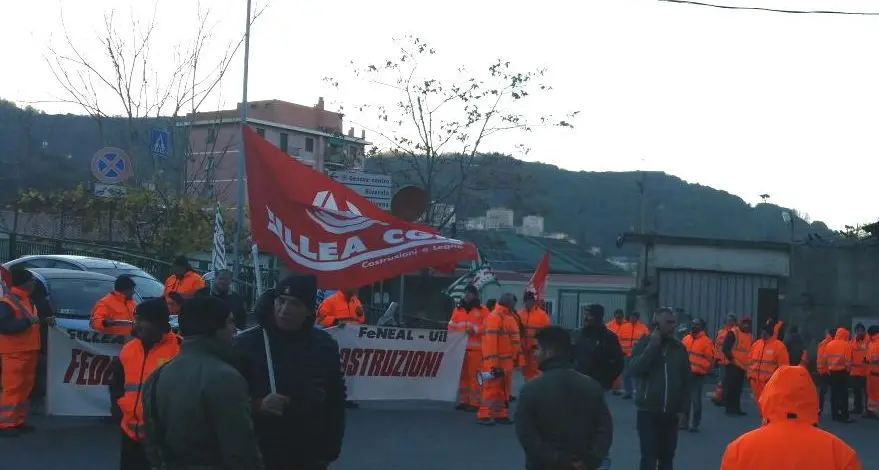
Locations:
(239, 216)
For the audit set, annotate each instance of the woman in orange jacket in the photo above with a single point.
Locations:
(788, 405)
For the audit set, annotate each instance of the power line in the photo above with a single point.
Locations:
(773, 10)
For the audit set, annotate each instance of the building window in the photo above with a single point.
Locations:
(283, 142)
(212, 135)
(261, 132)
(309, 144)
(209, 162)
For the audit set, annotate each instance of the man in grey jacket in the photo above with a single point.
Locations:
(197, 408)
(562, 420)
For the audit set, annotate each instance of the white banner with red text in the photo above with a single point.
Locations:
(78, 369)
(384, 363)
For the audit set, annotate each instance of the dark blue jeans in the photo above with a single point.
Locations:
(658, 433)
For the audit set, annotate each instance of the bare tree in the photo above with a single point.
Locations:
(433, 133)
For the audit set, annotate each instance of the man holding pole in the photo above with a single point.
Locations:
(295, 379)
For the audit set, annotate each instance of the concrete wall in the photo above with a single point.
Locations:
(731, 260)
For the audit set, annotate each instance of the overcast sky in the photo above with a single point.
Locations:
(747, 102)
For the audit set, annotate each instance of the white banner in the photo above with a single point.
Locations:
(383, 363)
(78, 370)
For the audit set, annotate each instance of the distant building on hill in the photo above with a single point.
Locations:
(498, 218)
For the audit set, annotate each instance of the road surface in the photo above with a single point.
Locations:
(423, 436)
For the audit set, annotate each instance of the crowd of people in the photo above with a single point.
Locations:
(273, 396)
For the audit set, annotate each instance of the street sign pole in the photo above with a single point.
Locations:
(239, 209)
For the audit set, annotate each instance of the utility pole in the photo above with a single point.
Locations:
(642, 203)
(239, 178)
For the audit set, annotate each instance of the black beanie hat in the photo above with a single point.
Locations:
(595, 311)
(299, 286)
(154, 311)
(203, 316)
(471, 289)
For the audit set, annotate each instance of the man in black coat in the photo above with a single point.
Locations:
(597, 351)
(221, 290)
(301, 424)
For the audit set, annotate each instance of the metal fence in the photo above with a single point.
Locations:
(30, 245)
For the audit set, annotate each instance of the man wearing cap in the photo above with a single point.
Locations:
(114, 313)
(153, 345)
(197, 408)
(182, 284)
(302, 421)
(468, 317)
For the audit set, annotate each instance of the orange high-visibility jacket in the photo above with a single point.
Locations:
(742, 349)
(859, 356)
(789, 406)
(113, 306)
(137, 365)
(701, 352)
(838, 352)
(873, 374)
(186, 286)
(718, 345)
(765, 358)
(821, 362)
(470, 322)
(336, 308)
(28, 340)
(629, 334)
(532, 320)
(500, 340)
(614, 326)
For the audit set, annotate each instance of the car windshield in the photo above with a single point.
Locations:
(76, 297)
(147, 287)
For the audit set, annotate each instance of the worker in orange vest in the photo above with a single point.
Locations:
(19, 350)
(858, 378)
(873, 373)
(838, 361)
(766, 356)
(731, 322)
(821, 366)
(533, 319)
(153, 345)
(500, 348)
(736, 349)
(789, 439)
(630, 333)
(778, 327)
(701, 353)
(182, 284)
(342, 307)
(614, 324)
(114, 313)
(468, 317)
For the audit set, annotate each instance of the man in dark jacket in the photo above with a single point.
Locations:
(300, 424)
(235, 302)
(597, 352)
(661, 367)
(795, 345)
(196, 408)
(562, 420)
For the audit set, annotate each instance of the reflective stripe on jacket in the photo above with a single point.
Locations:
(28, 340)
(137, 366)
(500, 340)
(532, 320)
(742, 348)
(718, 346)
(629, 335)
(470, 322)
(859, 356)
(186, 286)
(821, 361)
(838, 352)
(701, 352)
(765, 358)
(113, 306)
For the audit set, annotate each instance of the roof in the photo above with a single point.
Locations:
(658, 239)
(508, 251)
(90, 262)
(54, 273)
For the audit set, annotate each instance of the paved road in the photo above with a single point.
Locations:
(425, 436)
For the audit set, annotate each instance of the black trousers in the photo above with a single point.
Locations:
(133, 455)
(823, 387)
(858, 384)
(658, 433)
(733, 381)
(839, 394)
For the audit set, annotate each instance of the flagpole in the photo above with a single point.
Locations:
(239, 178)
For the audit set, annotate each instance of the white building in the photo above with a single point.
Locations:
(475, 223)
(532, 225)
(499, 218)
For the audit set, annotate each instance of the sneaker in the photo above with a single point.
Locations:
(503, 421)
(485, 421)
(25, 428)
(462, 407)
(9, 433)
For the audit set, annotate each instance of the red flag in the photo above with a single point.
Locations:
(537, 283)
(321, 227)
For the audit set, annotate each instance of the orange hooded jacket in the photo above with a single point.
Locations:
(789, 406)
(838, 352)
